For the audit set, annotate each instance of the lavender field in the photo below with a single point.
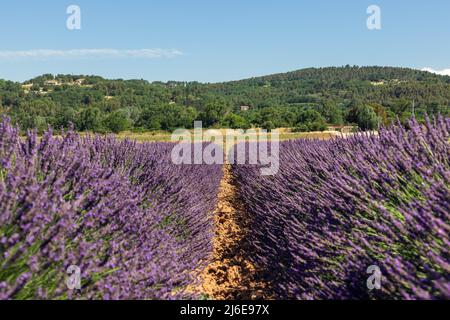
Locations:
(340, 206)
(140, 227)
(136, 225)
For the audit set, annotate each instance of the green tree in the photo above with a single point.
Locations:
(310, 116)
(89, 120)
(118, 121)
(332, 113)
(149, 118)
(367, 119)
(268, 125)
(234, 121)
(211, 115)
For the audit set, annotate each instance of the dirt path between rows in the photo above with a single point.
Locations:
(231, 276)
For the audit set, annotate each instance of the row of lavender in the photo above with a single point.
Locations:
(337, 207)
(134, 224)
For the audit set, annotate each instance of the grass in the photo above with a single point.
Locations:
(165, 136)
(160, 136)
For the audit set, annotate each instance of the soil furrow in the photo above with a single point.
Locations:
(231, 276)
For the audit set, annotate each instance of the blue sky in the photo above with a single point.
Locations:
(218, 40)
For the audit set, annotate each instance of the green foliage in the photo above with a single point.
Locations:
(366, 96)
(234, 121)
(367, 119)
(268, 125)
(310, 126)
(309, 115)
(301, 127)
(364, 116)
(310, 120)
(213, 112)
(89, 119)
(117, 121)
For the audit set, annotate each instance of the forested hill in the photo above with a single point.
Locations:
(308, 99)
(369, 84)
(353, 73)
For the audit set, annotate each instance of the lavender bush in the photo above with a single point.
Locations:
(136, 225)
(337, 207)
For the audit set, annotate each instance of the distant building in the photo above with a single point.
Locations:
(52, 83)
(245, 108)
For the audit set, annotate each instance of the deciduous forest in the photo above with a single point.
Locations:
(305, 100)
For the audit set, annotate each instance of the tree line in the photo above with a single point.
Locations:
(305, 100)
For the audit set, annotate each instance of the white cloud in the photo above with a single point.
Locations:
(443, 72)
(48, 54)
